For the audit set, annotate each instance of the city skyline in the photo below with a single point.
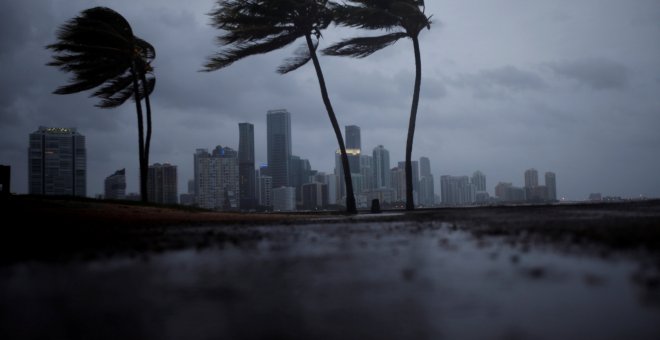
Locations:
(535, 86)
(281, 118)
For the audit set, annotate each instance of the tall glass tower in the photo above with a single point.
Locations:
(381, 166)
(353, 145)
(353, 137)
(279, 146)
(57, 162)
(246, 173)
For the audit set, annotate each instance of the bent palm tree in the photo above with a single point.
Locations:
(99, 48)
(404, 18)
(260, 26)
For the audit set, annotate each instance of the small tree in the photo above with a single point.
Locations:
(99, 48)
(401, 19)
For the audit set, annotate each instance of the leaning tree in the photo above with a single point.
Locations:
(99, 48)
(251, 27)
(398, 19)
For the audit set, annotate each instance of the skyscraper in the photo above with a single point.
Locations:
(57, 162)
(115, 186)
(479, 181)
(353, 140)
(299, 173)
(415, 173)
(162, 184)
(531, 178)
(426, 183)
(216, 178)
(284, 199)
(353, 156)
(367, 172)
(551, 185)
(279, 146)
(315, 196)
(424, 167)
(353, 147)
(246, 166)
(381, 167)
(456, 190)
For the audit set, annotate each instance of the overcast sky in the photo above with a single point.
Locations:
(569, 86)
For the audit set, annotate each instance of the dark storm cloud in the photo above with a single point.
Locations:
(499, 82)
(597, 73)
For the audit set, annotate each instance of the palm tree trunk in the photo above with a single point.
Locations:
(147, 103)
(410, 204)
(350, 196)
(138, 107)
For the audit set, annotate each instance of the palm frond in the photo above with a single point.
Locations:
(363, 46)
(146, 51)
(99, 49)
(251, 27)
(301, 57)
(240, 51)
(360, 16)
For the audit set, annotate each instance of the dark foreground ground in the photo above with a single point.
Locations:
(128, 271)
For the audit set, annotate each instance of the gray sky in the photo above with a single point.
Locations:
(566, 86)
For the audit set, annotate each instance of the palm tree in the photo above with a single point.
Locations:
(253, 27)
(400, 19)
(99, 48)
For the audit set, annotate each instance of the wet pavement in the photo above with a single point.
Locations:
(350, 279)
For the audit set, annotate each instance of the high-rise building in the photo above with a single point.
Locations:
(353, 156)
(333, 188)
(367, 172)
(398, 183)
(57, 162)
(415, 173)
(424, 167)
(456, 190)
(381, 167)
(315, 196)
(531, 178)
(279, 146)
(246, 174)
(353, 147)
(265, 191)
(506, 192)
(162, 184)
(115, 186)
(284, 199)
(479, 181)
(353, 140)
(217, 179)
(300, 171)
(426, 183)
(501, 188)
(188, 198)
(551, 185)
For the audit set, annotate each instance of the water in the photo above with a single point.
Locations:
(388, 280)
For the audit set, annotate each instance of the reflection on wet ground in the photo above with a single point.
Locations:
(387, 280)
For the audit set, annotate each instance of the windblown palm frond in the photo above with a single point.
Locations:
(363, 46)
(302, 56)
(98, 47)
(252, 27)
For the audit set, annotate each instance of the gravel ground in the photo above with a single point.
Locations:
(529, 272)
